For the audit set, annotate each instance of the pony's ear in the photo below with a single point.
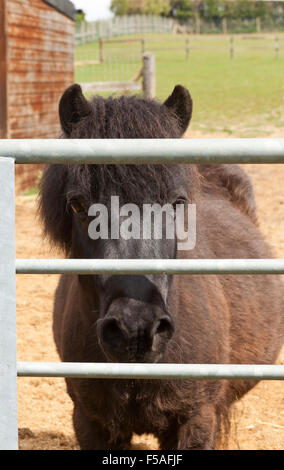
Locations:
(180, 103)
(72, 107)
(53, 210)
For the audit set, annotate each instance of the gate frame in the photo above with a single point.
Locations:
(117, 151)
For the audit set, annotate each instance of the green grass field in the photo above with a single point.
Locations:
(240, 97)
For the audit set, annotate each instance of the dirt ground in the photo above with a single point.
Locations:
(45, 410)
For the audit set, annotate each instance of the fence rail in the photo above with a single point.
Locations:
(150, 266)
(150, 371)
(142, 151)
(233, 45)
(114, 151)
(112, 65)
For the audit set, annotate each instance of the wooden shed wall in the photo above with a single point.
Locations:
(3, 71)
(40, 66)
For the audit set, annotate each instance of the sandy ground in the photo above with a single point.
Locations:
(45, 410)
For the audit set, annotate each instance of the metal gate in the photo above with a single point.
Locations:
(114, 152)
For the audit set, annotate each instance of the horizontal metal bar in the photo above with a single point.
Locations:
(139, 151)
(150, 371)
(150, 266)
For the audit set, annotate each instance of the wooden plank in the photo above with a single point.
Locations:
(16, 89)
(37, 4)
(110, 86)
(49, 134)
(37, 77)
(83, 63)
(3, 72)
(118, 41)
(37, 10)
(30, 4)
(39, 35)
(39, 67)
(39, 22)
(34, 122)
(26, 43)
(48, 130)
(34, 98)
(32, 109)
(31, 55)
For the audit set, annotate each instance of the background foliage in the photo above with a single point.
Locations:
(208, 9)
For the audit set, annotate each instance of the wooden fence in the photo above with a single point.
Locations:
(142, 24)
(122, 25)
(117, 65)
(147, 84)
(187, 44)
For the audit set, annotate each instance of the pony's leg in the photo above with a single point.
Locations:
(91, 435)
(168, 439)
(197, 433)
(200, 431)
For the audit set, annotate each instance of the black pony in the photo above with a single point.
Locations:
(155, 318)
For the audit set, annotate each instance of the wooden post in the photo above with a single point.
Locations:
(197, 25)
(143, 46)
(149, 75)
(101, 50)
(258, 24)
(224, 25)
(187, 49)
(276, 47)
(232, 52)
(85, 32)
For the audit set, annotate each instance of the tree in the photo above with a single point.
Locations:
(119, 7)
(262, 9)
(213, 9)
(136, 7)
(182, 9)
(244, 9)
(80, 16)
(157, 7)
(140, 7)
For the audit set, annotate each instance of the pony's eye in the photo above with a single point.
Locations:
(78, 206)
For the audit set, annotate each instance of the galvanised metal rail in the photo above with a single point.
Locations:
(101, 152)
(144, 151)
(150, 371)
(150, 266)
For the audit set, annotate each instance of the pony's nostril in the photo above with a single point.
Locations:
(165, 327)
(111, 333)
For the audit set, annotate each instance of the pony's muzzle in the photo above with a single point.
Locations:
(136, 336)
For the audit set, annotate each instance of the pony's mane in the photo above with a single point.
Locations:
(124, 117)
(127, 117)
(137, 184)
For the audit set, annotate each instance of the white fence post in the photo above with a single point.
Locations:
(8, 364)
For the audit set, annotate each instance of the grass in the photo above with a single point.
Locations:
(31, 192)
(243, 96)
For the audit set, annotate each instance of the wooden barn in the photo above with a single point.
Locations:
(36, 65)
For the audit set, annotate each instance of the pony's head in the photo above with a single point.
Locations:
(134, 320)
